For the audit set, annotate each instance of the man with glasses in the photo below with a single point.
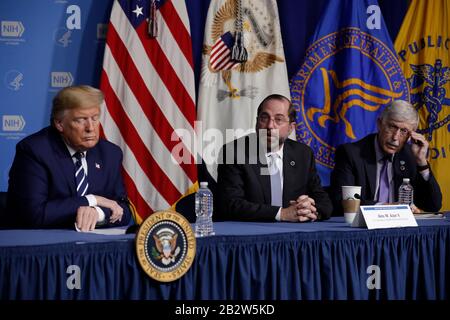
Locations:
(265, 176)
(379, 162)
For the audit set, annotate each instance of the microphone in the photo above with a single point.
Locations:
(132, 229)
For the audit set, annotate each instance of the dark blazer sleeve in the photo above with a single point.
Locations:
(244, 194)
(28, 194)
(239, 191)
(40, 194)
(348, 171)
(239, 197)
(427, 194)
(341, 175)
(315, 190)
(117, 192)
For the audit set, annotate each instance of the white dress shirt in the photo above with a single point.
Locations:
(279, 164)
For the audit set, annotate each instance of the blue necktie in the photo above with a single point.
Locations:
(383, 194)
(275, 182)
(80, 175)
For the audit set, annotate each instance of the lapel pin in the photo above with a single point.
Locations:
(402, 162)
(292, 163)
(97, 165)
(402, 168)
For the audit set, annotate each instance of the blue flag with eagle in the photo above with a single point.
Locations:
(350, 73)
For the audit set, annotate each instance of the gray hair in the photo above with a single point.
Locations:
(75, 97)
(401, 111)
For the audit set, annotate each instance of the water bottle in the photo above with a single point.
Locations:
(204, 211)
(406, 192)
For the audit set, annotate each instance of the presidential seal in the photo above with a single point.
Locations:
(165, 246)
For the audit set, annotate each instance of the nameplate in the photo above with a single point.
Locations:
(384, 216)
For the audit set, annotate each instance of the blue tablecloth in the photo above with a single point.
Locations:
(320, 260)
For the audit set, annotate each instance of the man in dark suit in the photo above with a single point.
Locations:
(379, 162)
(267, 177)
(64, 175)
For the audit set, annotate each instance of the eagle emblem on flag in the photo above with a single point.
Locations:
(242, 42)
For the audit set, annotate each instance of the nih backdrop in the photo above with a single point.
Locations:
(46, 45)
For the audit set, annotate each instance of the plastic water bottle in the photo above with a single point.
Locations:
(406, 192)
(204, 211)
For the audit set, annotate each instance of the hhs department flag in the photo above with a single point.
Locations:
(423, 48)
(349, 75)
(148, 81)
(243, 62)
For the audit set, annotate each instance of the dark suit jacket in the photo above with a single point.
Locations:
(356, 166)
(42, 191)
(243, 193)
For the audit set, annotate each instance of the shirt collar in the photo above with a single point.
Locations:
(72, 151)
(279, 152)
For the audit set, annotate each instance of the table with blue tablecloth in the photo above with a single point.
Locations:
(319, 260)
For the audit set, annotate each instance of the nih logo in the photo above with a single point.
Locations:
(13, 123)
(12, 29)
(14, 80)
(61, 79)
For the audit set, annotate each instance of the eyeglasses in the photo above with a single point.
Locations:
(392, 128)
(264, 118)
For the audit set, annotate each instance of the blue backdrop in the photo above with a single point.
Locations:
(48, 44)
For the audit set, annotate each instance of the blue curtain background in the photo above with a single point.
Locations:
(39, 54)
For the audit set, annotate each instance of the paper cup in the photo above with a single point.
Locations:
(349, 217)
(350, 207)
(351, 192)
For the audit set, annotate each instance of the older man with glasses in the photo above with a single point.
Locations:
(265, 176)
(379, 162)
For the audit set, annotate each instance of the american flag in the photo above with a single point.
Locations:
(221, 53)
(149, 93)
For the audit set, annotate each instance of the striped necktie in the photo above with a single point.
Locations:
(80, 175)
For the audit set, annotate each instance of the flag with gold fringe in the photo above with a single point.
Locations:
(148, 81)
(423, 45)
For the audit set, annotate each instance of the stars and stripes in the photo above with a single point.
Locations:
(221, 53)
(149, 93)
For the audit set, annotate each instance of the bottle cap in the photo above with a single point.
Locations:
(203, 184)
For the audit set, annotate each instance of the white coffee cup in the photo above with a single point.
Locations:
(351, 192)
(349, 217)
(351, 207)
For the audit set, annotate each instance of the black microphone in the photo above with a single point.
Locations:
(132, 229)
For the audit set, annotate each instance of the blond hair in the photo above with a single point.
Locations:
(75, 97)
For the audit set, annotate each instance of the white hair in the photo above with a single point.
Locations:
(401, 111)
